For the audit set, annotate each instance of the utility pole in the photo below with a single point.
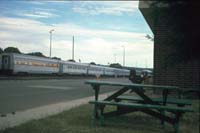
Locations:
(50, 40)
(114, 58)
(72, 47)
(146, 63)
(123, 56)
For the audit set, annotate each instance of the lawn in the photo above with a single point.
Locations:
(79, 120)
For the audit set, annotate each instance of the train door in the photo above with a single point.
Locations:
(61, 67)
(5, 62)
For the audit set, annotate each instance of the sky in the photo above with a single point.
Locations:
(102, 30)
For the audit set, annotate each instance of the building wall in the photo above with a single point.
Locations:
(186, 73)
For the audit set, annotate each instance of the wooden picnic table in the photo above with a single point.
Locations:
(127, 104)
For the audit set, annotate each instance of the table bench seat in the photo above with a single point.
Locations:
(159, 100)
(142, 106)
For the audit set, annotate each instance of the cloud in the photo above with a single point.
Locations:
(64, 29)
(34, 2)
(36, 14)
(105, 7)
(90, 45)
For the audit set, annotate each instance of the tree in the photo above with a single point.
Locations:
(36, 54)
(116, 65)
(92, 63)
(56, 58)
(1, 50)
(12, 50)
(71, 60)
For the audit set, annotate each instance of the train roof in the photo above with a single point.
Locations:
(31, 57)
(73, 63)
(146, 70)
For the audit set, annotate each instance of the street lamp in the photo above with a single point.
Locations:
(72, 47)
(123, 55)
(50, 40)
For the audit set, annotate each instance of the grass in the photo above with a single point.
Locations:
(79, 120)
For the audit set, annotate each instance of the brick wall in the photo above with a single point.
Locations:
(184, 74)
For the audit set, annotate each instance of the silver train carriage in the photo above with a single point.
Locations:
(74, 68)
(95, 70)
(19, 63)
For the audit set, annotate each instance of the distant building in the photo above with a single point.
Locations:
(174, 31)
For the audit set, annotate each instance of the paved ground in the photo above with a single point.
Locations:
(20, 117)
(19, 95)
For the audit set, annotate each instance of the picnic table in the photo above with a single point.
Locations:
(156, 107)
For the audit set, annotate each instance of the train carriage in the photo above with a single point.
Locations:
(95, 70)
(73, 68)
(19, 63)
(109, 71)
(121, 72)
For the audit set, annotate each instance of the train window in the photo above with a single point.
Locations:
(70, 67)
(5, 61)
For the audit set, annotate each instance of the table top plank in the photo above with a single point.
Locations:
(130, 85)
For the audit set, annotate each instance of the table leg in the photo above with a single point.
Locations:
(146, 99)
(113, 96)
(165, 94)
(176, 124)
(96, 89)
(116, 94)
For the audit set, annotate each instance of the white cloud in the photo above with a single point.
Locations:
(66, 29)
(36, 14)
(105, 7)
(34, 2)
(90, 45)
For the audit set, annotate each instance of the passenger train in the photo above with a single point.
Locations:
(13, 63)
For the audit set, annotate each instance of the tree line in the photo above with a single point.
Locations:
(16, 50)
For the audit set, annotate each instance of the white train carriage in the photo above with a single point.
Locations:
(126, 72)
(109, 71)
(95, 70)
(67, 67)
(19, 63)
(121, 72)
